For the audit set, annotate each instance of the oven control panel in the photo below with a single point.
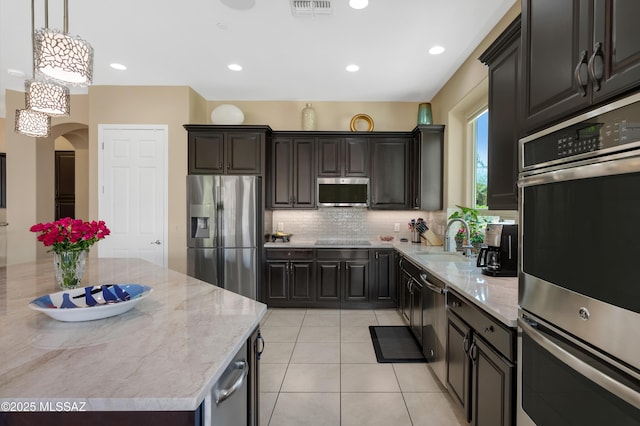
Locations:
(609, 131)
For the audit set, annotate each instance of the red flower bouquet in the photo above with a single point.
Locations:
(70, 234)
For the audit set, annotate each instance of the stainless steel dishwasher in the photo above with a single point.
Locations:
(434, 323)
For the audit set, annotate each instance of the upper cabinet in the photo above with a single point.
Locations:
(576, 54)
(503, 59)
(427, 168)
(342, 157)
(291, 177)
(389, 186)
(229, 150)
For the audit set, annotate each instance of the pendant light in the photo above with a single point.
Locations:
(60, 56)
(47, 97)
(33, 123)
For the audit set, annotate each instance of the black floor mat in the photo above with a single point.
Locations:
(395, 344)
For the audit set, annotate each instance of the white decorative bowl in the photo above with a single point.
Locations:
(90, 303)
(227, 114)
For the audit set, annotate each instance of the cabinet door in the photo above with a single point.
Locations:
(329, 155)
(356, 157)
(458, 363)
(206, 153)
(328, 280)
(356, 281)
(384, 289)
(493, 387)
(390, 173)
(426, 162)
(304, 174)
(555, 44)
(243, 153)
(277, 281)
(405, 297)
(502, 191)
(281, 173)
(301, 281)
(616, 51)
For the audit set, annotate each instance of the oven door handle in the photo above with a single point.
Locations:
(625, 393)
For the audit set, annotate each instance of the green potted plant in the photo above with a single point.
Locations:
(476, 223)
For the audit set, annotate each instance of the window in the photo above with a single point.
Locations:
(480, 128)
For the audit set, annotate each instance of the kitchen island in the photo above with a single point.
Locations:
(163, 355)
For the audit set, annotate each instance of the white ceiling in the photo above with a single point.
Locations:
(191, 42)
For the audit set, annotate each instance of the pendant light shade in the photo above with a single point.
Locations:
(63, 57)
(50, 98)
(33, 123)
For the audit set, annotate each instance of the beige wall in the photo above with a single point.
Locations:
(461, 96)
(330, 116)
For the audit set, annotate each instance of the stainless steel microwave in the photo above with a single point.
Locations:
(343, 192)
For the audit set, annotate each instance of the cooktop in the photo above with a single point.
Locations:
(343, 242)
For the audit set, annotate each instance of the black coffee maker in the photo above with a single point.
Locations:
(500, 257)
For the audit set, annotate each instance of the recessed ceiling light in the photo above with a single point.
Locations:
(436, 50)
(15, 73)
(117, 66)
(358, 4)
(352, 68)
(234, 67)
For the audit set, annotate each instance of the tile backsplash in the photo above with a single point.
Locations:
(352, 223)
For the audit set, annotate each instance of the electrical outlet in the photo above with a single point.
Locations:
(396, 227)
(280, 226)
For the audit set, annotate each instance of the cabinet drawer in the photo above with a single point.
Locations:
(502, 338)
(343, 254)
(280, 254)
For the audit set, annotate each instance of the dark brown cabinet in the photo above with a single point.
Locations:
(427, 159)
(65, 184)
(229, 150)
(338, 157)
(411, 297)
(480, 364)
(390, 173)
(344, 273)
(384, 278)
(292, 173)
(576, 54)
(503, 59)
(289, 277)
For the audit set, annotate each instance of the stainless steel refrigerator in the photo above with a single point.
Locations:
(224, 229)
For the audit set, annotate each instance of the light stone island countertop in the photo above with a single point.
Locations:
(163, 355)
(498, 296)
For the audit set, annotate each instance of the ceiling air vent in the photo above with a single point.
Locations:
(311, 7)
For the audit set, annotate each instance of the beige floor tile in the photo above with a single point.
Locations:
(312, 378)
(433, 409)
(319, 334)
(368, 378)
(286, 319)
(316, 353)
(417, 377)
(280, 333)
(357, 353)
(373, 409)
(265, 405)
(271, 377)
(358, 320)
(391, 318)
(321, 320)
(308, 409)
(277, 353)
(355, 334)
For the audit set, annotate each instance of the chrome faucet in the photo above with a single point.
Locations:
(467, 247)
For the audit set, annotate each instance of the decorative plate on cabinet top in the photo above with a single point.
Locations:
(91, 303)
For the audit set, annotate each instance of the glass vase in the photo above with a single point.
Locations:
(69, 268)
(424, 114)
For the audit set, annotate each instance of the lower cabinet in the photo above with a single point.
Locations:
(480, 364)
(411, 297)
(330, 278)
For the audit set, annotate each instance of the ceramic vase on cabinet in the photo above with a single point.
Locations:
(424, 114)
(308, 118)
(69, 268)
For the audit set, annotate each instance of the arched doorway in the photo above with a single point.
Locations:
(71, 142)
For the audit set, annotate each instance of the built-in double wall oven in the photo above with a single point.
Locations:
(579, 280)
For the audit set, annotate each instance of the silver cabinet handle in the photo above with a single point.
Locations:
(431, 286)
(223, 394)
(4, 223)
(610, 384)
(156, 242)
(259, 343)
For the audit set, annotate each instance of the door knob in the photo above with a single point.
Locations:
(156, 242)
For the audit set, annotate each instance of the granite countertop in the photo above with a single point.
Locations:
(163, 355)
(497, 296)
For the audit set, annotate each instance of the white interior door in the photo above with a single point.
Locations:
(133, 191)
